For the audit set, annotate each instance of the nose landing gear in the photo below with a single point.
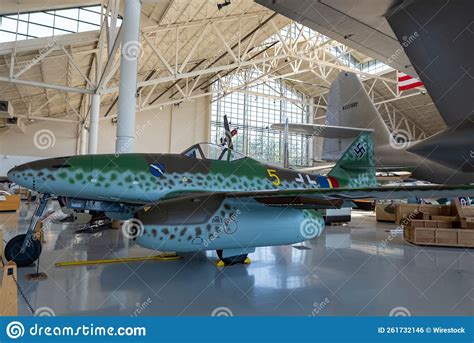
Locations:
(13, 250)
(26, 248)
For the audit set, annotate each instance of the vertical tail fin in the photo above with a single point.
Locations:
(349, 105)
(356, 167)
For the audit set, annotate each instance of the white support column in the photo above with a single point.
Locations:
(94, 123)
(128, 77)
(83, 139)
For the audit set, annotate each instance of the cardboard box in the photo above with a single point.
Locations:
(444, 224)
(418, 223)
(405, 211)
(447, 236)
(381, 215)
(10, 202)
(408, 233)
(446, 218)
(431, 209)
(467, 223)
(441, 237)
(469, 226)
(431, 223)
(426, 216)
(466, 238)
(424, 235)
(446, 210)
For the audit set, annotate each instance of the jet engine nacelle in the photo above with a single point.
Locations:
(216, 223)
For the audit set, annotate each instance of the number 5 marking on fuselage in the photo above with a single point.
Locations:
(272, 174)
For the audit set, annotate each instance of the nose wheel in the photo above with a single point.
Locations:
(32, 251)
(26, 248)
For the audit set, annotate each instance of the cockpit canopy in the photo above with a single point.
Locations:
(209, 151)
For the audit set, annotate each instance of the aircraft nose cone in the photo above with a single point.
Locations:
(19, 176)
(13, 174)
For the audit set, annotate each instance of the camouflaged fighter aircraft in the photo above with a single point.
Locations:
(207, 198)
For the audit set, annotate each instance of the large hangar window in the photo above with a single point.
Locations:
(253, 109)
(48, 23)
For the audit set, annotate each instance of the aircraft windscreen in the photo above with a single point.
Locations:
(210, 151)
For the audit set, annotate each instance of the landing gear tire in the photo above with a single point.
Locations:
(31, 254)
(228, 261)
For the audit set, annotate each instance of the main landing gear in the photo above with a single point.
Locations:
(228, 261)
(26, 248)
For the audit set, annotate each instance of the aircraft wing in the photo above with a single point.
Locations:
(389, 192)
(421, 38)
(321, 130)
(334, 197)
(359, 24)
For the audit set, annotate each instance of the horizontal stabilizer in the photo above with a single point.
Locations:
(321, 130)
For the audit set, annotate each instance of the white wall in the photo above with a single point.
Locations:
(38, 141)
(7, 162)
(171, 129)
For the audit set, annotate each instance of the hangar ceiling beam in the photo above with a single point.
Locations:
(62, 120)
(34, 62)
(197, 23)
(113, 30)
(208, 63)
(277, 55)
(73, 62)
(195, 73)
(46, 85)
(399, 97)
(110, 66)
(21, 46)
(397, 119)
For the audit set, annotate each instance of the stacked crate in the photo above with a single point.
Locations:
(440, 225)
(466, 215)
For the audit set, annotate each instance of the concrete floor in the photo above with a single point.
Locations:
(356, 269)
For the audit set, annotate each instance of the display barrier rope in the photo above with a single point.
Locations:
(23, 296)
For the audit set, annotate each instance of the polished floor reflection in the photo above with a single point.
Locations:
(357, 269)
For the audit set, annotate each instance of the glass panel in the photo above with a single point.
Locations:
(193, 152)
(95, 9)
(212, 152)
(72, 13)
(10, 37)
(58, 32)
(87, 27)
(65, 24)
(47, 23)
(39, 31)
(8, 24)
(22, 27)
(90, 17)
(42, 18)
(23, 16)
(253, 113)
